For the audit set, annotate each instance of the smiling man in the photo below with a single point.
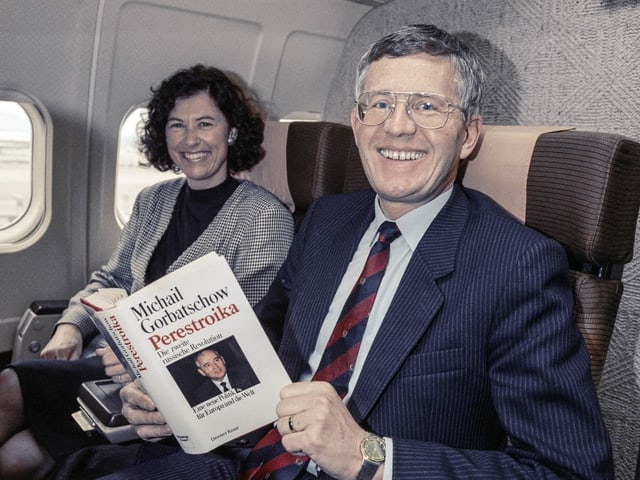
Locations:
(413, 153)
(430, 334)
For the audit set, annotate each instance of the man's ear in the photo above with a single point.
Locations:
(201, 372)
(354, 123)
(474, 129)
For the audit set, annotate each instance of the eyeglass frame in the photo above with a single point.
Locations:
(450, 107)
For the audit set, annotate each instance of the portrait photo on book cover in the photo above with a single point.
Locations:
(216, 369)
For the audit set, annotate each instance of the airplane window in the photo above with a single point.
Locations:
(133, 172)
(25, 179)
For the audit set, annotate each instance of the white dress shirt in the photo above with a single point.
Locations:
(225, 380)
(413, 225)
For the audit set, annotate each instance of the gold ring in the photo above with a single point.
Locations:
(291, 427)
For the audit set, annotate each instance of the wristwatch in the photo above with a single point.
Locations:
(372, 448)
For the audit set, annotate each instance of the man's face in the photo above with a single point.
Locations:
(211, 365)
(408, 165)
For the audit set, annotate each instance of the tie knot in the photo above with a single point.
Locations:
(389, 231)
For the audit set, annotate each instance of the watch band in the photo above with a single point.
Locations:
(367, 470)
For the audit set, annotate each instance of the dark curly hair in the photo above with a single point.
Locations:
(240, 110)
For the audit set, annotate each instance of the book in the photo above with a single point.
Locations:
(196, 346)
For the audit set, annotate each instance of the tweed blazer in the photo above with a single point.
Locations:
(253, 231)
(478, 369)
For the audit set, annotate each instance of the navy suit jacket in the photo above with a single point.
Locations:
(478, 370)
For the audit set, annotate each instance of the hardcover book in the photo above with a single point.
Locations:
(196, 346)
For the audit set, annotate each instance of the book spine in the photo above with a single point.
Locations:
(108, 324)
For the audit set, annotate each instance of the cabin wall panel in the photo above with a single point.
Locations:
(49, 57)
(142, 42)
(307, 59)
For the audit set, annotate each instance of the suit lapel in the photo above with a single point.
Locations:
(414, 306)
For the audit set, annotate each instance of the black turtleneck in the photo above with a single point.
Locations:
(192, 214)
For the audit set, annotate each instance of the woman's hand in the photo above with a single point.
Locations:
(65, 344)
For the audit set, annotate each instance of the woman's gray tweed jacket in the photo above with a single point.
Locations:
(253, 231)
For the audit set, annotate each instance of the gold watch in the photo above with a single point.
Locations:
(372, 448)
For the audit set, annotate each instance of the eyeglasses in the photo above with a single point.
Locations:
(428, 110)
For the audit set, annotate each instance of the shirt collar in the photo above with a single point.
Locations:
(223, 379)
(415, 223)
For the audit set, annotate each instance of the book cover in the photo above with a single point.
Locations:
(193, 340)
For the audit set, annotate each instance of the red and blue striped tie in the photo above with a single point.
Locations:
(269, 459)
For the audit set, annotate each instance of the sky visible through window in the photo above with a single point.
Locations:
(15, 163)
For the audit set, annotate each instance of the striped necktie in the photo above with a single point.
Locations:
(269, 459)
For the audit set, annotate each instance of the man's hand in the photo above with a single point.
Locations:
(141, 412)
(112, 366)
(323, 428)
(65, 344)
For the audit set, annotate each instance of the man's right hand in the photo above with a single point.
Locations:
(141, 412)
(65, 344)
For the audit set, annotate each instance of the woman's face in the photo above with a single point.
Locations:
(197, 140)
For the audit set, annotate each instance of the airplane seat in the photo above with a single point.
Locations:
(305, 160)
(583, 190)
(322, 159)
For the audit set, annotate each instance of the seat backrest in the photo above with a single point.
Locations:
(583, 190)
(580, 188)
(305, 160)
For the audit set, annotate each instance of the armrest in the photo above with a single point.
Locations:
(35, 328)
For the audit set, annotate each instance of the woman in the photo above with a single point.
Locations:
(201, 124)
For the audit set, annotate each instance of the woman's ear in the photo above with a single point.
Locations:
(233, 135)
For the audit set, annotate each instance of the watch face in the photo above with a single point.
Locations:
(373, 449)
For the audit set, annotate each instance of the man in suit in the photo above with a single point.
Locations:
(470, 365)
(220, 377)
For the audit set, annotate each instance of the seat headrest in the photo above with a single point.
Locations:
(584, 190)
(271, 172)
(499, 165)
(580, 188)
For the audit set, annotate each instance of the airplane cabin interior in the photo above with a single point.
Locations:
(560, 151)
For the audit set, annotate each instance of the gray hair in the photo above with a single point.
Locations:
(429, 39)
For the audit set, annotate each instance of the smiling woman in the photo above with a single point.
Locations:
(200, 123)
